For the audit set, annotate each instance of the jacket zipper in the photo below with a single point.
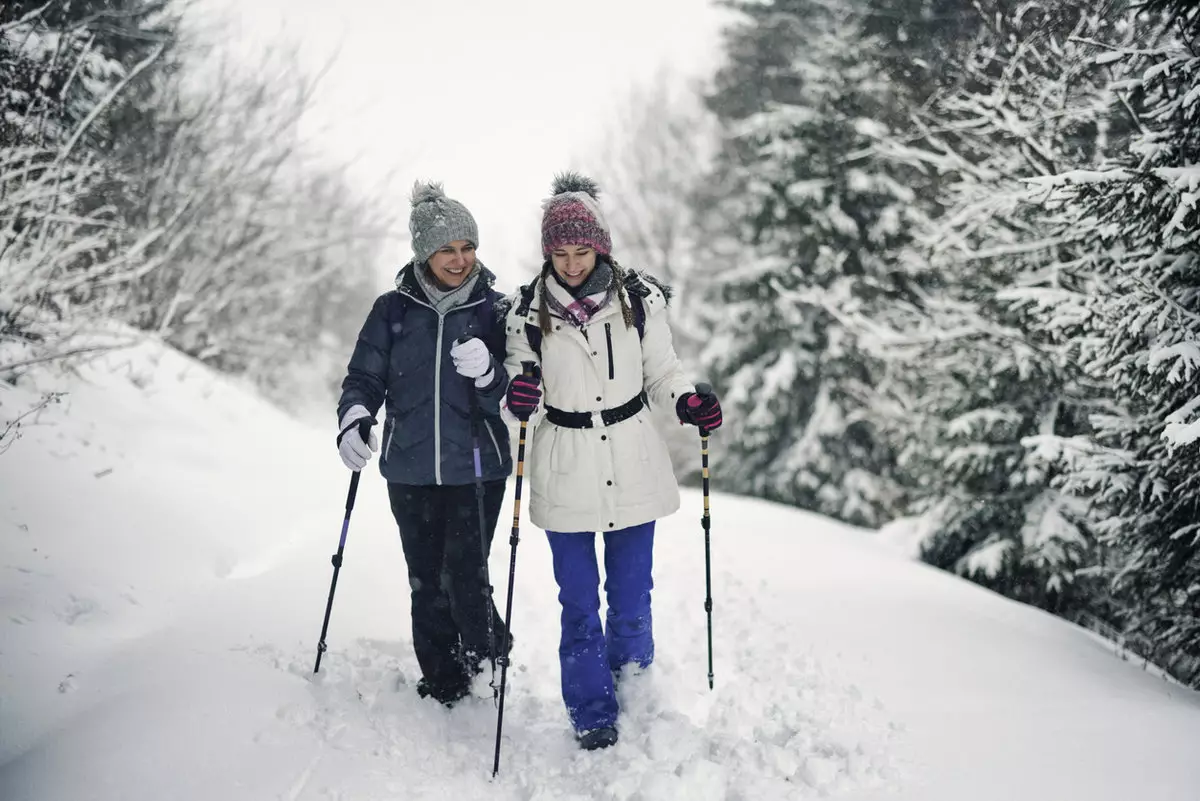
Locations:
(437, 402)
(608, 338)
(437, 383)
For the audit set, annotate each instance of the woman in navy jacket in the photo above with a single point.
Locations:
(432, 355)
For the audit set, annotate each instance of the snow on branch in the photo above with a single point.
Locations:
(1080, 177)
(27, 17)
(1183, 426)
(1183, 358)
(107, 100)
(12, 429)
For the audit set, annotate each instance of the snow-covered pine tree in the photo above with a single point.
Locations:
(1135, 223)
(971, 374)
(812, 217)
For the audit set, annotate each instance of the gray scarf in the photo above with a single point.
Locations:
(600, 280)
(443, 300)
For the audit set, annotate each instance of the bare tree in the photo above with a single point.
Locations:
(655, 154)
(202, 215)
(262, 229)
(52, 241)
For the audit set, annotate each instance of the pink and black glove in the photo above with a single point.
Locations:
(524, 393)
(700, 409)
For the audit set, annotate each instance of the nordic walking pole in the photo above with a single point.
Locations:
(527, 368)
(483, 549)
(364, 431)
(705, 389)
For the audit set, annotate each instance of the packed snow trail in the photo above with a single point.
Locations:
(164, 585)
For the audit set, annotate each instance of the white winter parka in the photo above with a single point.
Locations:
(603, 478)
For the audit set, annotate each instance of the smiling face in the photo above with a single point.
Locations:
(453, 262)
(573, 263)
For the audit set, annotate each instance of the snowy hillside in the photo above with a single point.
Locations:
(164, 548)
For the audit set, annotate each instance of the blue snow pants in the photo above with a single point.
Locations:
(588, 654)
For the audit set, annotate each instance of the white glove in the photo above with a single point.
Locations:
(473, 360)
(355, 453)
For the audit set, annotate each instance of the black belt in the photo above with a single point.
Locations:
(608, 417)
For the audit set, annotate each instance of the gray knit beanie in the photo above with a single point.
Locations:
(436, 220)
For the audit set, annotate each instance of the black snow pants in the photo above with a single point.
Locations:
(439, 529)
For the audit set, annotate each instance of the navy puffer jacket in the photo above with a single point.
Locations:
(402, 361)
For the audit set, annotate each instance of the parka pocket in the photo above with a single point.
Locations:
(495, 442)
(564, 455)
(389, 433)
(537, 467)
(631, 441)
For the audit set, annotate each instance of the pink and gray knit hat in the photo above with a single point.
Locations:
(572, 215)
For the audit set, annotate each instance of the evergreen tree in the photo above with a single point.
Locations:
(814, 216)
(980, 387)
(1135, 225)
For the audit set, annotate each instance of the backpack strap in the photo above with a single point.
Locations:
(526, 301)
(637, 288)
(533, 335)
(396, 313)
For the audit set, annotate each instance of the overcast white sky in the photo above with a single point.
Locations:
(490, 96)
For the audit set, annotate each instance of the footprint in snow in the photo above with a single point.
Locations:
(77, 609)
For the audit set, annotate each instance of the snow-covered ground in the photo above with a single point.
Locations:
(164, 564)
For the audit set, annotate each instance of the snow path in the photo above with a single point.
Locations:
(164, 564)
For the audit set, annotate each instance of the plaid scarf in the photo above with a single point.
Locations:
(579, 306)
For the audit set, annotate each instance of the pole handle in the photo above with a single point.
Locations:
(363, 424)
(703, 389)
(364, 432)
(472, 397)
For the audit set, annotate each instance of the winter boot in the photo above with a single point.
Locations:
(447, 694)
(474, 663)
(595, 739)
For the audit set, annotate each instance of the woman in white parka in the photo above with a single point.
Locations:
(600, 339)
